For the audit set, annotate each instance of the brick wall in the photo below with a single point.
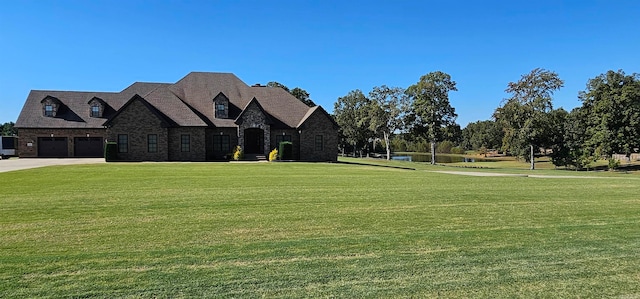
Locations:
(197, 148)
(220, 155)
(137, 122)
(318, 124)
(28, 137)
(295, 140)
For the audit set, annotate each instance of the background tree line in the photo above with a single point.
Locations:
(526, 124)
(8, 129)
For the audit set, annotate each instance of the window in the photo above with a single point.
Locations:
(152, 143)
(221, 110)
(318, 144)
(185, 143)
(221, 143)
(95, 111)
(123, 143)
(48, 110)
(281, 138)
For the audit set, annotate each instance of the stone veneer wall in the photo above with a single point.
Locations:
(254, 118)
(197, 149)
(137, 121)
(318, 124)
(26, 136)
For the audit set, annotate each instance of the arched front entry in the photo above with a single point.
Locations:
(254, 141)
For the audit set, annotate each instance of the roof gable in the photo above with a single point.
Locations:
(253, 103)
(317, 110)
(166, 121)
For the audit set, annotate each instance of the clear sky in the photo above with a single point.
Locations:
(325, 47)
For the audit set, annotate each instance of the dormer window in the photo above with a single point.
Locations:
(50, 106)
(95, 111)
(220, 110)
(96, 107)
(48, 110)
(221, 106)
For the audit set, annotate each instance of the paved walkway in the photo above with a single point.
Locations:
(19, 164)
(540, 176)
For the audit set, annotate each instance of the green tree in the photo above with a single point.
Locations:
(303, 96)
(8, 129)
(351, 112)
(524, 115)
(452, 133)
(431, 111)
(556, 137)
(485, 134)
(577, 153)
(611, 106)
(386, 112)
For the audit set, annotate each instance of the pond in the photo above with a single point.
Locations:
(422, 157)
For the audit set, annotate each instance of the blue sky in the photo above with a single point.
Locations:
(325, 47)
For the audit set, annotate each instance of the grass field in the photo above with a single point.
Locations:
(171, 230)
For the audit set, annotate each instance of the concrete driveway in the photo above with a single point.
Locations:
(19, 164)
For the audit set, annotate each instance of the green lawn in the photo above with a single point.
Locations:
(171, 230)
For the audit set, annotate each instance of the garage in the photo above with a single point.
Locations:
(91, 147)
(52, 147)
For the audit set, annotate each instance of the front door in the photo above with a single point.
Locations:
(254, 141)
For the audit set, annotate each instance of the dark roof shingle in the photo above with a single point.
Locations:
(188, 102)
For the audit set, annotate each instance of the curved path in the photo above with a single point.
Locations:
(477, 173)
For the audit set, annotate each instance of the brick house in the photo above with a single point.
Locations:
(202, 117)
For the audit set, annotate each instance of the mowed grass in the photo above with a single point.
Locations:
(171, 230)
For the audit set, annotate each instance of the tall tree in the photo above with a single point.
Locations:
(556, 137)
(386, 112)
(611, 104)
(297, 92)
(351, 114)
(524, 114)
(431, 110)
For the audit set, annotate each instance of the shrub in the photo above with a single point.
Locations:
(273, 155)
(613, 164)
(444, 147)
(286, 150)
(237, 153)
(458, 151)
(110, 151)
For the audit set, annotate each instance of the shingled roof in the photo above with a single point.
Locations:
(188, 102)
